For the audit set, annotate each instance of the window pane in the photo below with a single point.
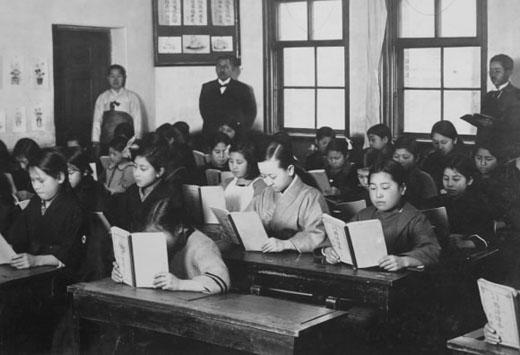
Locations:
(331, 108)
(462, 67)
(458, 18)
(331, 66)
(292, 21)
(298, 108)
(298, 66)
(422, 108)
(422, 67)
(458, 103)
(326, 19)
(417, 18)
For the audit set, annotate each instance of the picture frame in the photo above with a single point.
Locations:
(194, 32)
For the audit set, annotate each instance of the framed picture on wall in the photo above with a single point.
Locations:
(194, 32)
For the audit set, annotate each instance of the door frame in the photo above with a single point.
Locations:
(55, 29)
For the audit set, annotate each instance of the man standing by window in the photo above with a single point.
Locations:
(503, 104)
(226, 99)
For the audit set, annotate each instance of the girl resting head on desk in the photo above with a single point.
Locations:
(195, 260)
(289, 208)
(409, 237)
(47, 232)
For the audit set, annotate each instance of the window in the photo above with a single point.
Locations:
(307, 51)
(441, 62)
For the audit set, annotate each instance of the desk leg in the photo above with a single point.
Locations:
(76, 326)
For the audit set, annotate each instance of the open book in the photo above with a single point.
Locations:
(242, 228)
(500, 304)
(215, 177)
(360, 244)
(140, 256)
(321, 178)
(479, 120)
(6, 251)
(200, 199)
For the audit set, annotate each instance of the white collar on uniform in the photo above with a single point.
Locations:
(225, 82)
(501, 87)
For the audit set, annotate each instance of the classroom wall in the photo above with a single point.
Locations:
(26, 26)
(504, 32)
(177, 88)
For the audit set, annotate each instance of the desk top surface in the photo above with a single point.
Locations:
(473, 343)
(300, 262)
(10, 275)
(306, 263)
(264, 313)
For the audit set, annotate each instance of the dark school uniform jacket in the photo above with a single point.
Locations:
(407, 232)
(56, 232)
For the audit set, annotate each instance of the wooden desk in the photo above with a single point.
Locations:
(244, 322)
(473, 343)
(300, 273)
(22, 294)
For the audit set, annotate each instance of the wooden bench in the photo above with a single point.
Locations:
(244, 322)
(473, 343)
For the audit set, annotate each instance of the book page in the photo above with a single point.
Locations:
(212, 196)
(368, 242)
(150, 257)
(321, 179)
(499, 303)
(122, 253)
(193, 203)
(213, 177)
(229, 232)
(335, 229)
(6, 251)
(250, 230)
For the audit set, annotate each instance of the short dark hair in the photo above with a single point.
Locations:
(325, 131)
(52, 163)
(166, 131)
(124, 129)
(234, 61)
(462, 164)
(155, 150)
(380, 130)
(392, 168)
(25, 147)
(219, 137)
(118, 143)
(119, 67)
(445, 128)
(75, 156)
(504, 60)
(409, 143)
(248, 150)
(338, 145)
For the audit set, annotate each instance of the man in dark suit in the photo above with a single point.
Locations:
(503, 103)
(226, 99)
(497, 102)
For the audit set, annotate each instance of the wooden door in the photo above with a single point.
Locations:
(81, 58)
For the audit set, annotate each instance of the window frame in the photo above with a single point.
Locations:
(273, 67)
(400, 44)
